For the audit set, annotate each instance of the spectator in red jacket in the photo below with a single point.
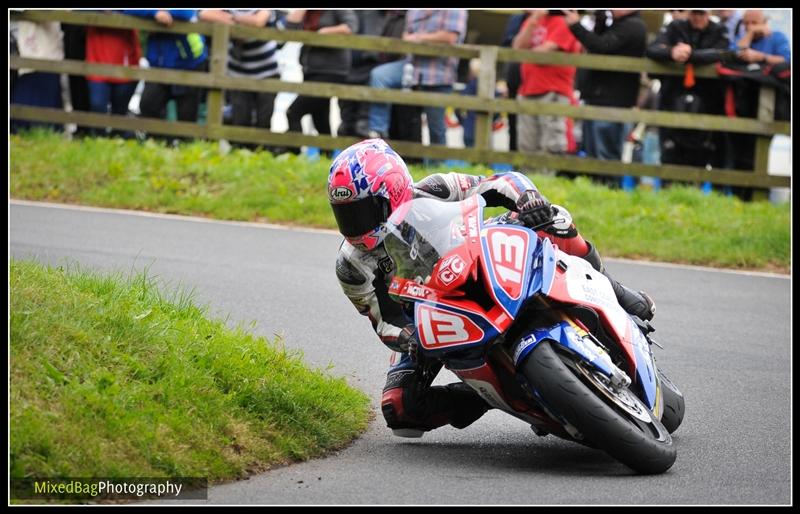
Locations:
(111, 46)
(545, 31)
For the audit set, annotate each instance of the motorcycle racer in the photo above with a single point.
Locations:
(366, 183)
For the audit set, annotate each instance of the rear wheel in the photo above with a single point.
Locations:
(673, 403)
(613, 419)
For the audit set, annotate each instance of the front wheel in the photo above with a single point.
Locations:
(614, 421)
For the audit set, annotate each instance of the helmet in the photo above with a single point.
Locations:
(366, 183)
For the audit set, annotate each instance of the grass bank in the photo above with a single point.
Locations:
(111, 378)
(677, 225)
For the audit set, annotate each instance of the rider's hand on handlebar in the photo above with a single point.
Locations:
(408, 340)
(534, 209)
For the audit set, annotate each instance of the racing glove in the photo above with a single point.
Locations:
(534, 209)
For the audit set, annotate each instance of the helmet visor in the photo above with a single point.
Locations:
(362, 216)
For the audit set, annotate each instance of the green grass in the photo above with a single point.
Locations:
(111, 378)
(678, 225)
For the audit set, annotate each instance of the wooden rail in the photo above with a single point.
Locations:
(216, 81)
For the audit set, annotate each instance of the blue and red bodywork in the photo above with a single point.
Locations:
(515, 265)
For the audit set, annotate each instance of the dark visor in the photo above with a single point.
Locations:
(362, 216)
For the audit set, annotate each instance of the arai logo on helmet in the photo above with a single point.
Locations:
(341, 193)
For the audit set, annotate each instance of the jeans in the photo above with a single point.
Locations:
(246, 103)
(604, 139)
(435, 116)
(385, 76)
(101, 94)
(37, 89)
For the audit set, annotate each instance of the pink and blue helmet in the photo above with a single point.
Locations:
(366, 183)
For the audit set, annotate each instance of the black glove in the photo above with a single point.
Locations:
(534, 209)
(408, 341)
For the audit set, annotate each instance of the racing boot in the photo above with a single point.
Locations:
(468, 406)
(638, 304)
(411, 411)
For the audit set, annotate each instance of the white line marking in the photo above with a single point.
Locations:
(659, 264)
(181, 217)
(253, 224)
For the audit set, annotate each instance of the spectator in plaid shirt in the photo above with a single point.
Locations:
(433, 74)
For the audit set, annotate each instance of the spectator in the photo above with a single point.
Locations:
(320, 64)
(627, 35)
(760, 43)
(467, 118)
(765, 50)
(696, 40)
(111, 46)
(75, 49)
(354, 113)
(732, 19)
(249, 58)
(174, 51)
(406, 120)
(36, 40)
(512, 76)
(433, 74)
(545, 31)
(679, 14)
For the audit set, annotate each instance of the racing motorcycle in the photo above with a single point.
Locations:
(536, 332)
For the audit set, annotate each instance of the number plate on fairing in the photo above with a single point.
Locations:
(506, 261)
(439, 328)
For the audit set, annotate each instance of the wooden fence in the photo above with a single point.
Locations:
(485, 104)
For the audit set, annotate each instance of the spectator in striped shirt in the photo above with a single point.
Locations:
(249, 58)
(433, 74)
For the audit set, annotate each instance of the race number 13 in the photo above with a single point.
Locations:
(440, 328)
(508, 252)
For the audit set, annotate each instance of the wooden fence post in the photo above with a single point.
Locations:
(486, 88)
(766, 112)
(218, 67)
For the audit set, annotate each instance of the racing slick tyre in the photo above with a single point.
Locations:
(615, 420)
(673, 403)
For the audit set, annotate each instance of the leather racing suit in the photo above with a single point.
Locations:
(409, 403)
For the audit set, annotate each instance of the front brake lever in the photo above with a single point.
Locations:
(548, 223)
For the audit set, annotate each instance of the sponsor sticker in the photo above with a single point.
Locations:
(341, 193)
(451, 269)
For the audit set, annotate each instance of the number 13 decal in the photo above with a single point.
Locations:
(508, 250)
(439, 328)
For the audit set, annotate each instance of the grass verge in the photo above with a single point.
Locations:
(111, 378)
(680, 224)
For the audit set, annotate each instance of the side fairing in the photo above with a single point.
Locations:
(442, 328)
(572, 280)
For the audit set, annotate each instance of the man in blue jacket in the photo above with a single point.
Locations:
(174, 51)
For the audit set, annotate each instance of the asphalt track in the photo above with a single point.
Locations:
(727, 346)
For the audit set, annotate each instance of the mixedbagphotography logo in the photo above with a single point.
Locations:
(136, 488)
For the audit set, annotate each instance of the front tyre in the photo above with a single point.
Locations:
(616, 422)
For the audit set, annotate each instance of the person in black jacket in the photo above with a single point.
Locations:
(627, 35)
(696, 40)
(320, 64)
